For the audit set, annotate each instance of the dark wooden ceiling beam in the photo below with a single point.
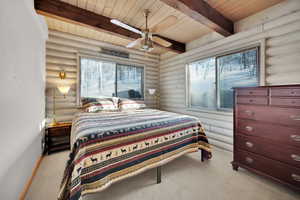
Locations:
(202, 12)
(73, 14)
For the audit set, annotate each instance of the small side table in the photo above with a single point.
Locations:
(57, 137)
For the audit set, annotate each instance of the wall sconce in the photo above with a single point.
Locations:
(62, 75)
(63, 88)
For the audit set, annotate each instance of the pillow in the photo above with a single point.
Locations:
(127, 104)
(87, 100)
(100, 105)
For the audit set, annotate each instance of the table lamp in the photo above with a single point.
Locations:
(63, 88)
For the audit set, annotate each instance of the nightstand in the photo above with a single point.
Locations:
(57, 137)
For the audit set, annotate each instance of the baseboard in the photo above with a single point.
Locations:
(29, 182)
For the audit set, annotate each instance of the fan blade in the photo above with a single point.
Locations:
(126, 26)
(161, 41)
(164, 24)
(134, 43)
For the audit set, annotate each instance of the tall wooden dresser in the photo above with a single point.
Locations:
(267, 132)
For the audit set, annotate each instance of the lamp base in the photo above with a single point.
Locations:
(54, 122)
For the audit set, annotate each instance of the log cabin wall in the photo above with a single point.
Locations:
(63, 51)
(276, 29)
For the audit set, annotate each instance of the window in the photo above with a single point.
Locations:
(211, 80)
(97, 78)
(129, 81)
(236, 70)
(202, 83)
(106, 79)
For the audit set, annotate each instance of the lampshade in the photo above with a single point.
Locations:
(151, 91)
(64, 89)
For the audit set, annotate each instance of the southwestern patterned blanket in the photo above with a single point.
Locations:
(108, 147)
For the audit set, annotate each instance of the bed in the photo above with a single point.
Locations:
(111, 146)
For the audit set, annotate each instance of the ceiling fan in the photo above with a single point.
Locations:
(148, 36)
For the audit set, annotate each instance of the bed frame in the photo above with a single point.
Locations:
(158, 169)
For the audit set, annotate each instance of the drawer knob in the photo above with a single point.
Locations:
(250, 92)
(251, 100)
(295, 117)
(249, 144)
(295, 138)
(296, 177)
(249, 160)
(249, 128)
(295, 157)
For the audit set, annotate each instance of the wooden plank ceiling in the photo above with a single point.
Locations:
(236, 10)
(131, 12)
(202, 12)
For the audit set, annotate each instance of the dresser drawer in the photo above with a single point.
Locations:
(281, 134)
(293, 92)
(59, 131)
(252, 92)
(253, 100)
(291, 102)
(276, 169)
(284, 116)
(59, 140)
(283, 153)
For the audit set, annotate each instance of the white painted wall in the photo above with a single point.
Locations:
(22, 83)
(277, 29)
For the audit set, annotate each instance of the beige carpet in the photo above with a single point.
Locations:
(186, 178)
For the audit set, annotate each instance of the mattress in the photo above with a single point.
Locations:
(109, 147)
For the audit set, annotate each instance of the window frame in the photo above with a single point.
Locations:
(217, 107)
(79, 103)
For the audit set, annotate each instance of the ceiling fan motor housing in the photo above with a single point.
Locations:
(146, 44)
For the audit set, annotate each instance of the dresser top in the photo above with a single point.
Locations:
(59, 124)
(271, 86)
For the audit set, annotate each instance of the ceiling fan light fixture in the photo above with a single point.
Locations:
(146, 48)
(147, 45)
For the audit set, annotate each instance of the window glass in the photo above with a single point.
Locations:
(97, 78)
(202, 76)
(236, 70)
(129, 81)
(106, 79)
(211, 80)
